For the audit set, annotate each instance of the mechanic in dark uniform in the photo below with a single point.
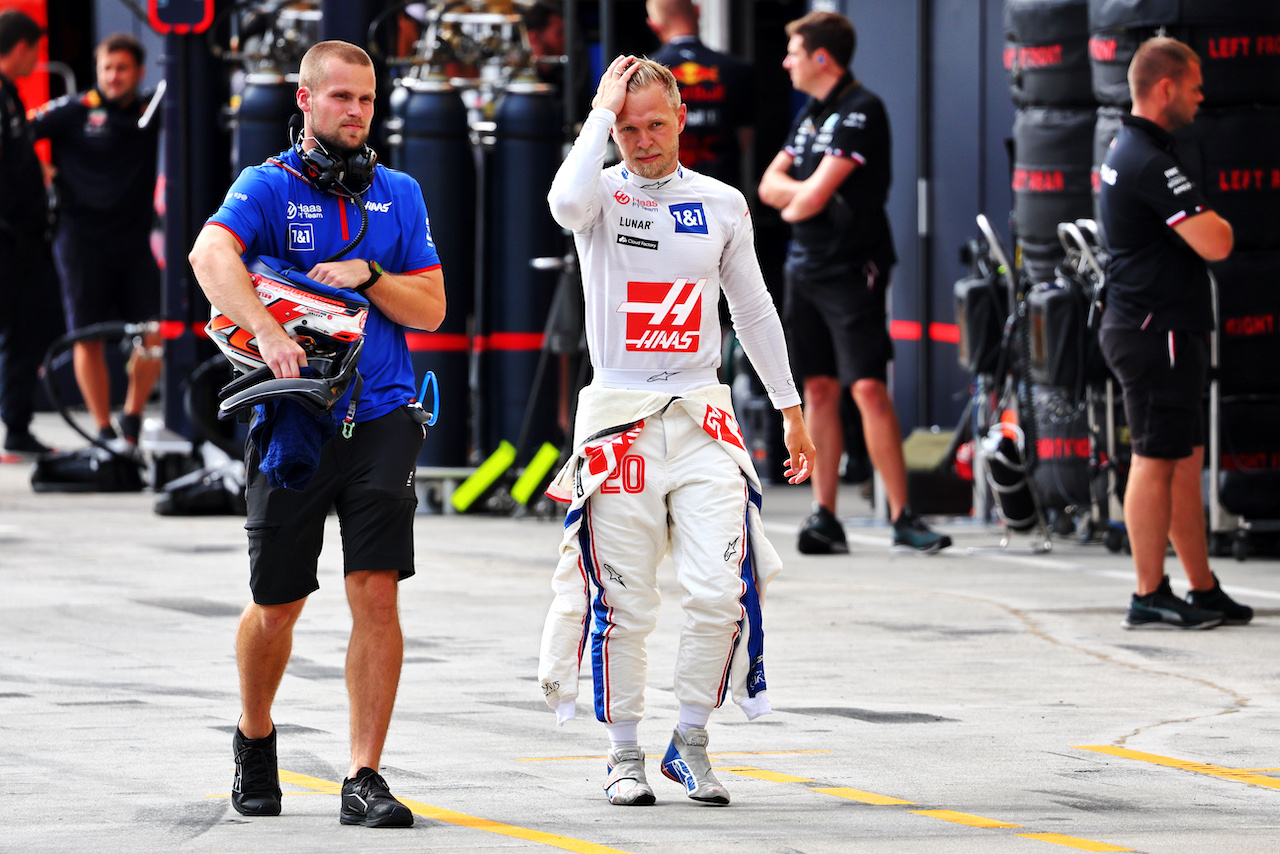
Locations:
(105, 181)
(831, 181)
(29, 321)
(716, 88)
(1155, 335)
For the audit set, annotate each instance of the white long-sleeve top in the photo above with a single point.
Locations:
(655, 256)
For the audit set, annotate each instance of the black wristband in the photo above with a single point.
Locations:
(375, 273)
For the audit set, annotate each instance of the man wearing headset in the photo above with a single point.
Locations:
(830, 181)
(307, 206)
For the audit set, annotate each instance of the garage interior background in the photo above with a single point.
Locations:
(939, 66)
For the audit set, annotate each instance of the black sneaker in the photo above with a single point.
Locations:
(821, 534)
(1163, 610)
(107, 434)
(1216, 599)
(24, 443)
(256, 790)
(130, 426)
(911, 534)
(367, 800)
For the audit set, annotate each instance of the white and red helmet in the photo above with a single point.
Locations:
(328, 322)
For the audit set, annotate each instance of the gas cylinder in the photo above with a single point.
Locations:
(427, 137)
(517, 297)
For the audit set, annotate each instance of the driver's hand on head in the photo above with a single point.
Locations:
(611, 94)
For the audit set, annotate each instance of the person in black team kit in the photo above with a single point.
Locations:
(28, 284)
(1155, 335)
(106, 176)
(831, 181)
(716, 88)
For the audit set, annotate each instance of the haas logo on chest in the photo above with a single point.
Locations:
(664, 316)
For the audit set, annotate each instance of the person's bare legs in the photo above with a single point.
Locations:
(264, 641)
(1147, 513)
(144, 370)
(90, 363)
(822, 418)
(1187, 522)
(374, 658)
(884, 440)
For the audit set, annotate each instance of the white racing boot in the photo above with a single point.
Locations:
(626, 785)
(686, 762)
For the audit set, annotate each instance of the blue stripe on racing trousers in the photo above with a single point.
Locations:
(600, 618)
(755, 641)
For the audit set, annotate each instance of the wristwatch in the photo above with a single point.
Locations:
(375, 273)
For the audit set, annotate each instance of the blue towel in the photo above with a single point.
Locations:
(288, 438)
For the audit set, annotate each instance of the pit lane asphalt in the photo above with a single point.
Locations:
(954, 703)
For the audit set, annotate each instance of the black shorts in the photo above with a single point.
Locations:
(838, 328)
(1163, 378)
(106, 275)
(368, 479)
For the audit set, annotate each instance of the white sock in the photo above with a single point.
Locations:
(692, 716)
(622, 734)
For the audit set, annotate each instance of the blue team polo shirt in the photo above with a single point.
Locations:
(272, 210)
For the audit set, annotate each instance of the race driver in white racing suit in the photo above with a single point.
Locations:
(659, 460)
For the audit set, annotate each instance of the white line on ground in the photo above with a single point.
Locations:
(781, 530)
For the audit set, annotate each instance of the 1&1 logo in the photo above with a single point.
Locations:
(690, 218)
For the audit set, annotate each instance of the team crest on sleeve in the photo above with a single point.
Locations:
(664, 316)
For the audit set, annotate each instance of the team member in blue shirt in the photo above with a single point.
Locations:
(304, 206)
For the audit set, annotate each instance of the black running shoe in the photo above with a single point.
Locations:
(1161, 609)
(256, 790)
(367, 800)
(911, 534)
(1216, 599)
(821, 534)
(24, 443)
(130, 427)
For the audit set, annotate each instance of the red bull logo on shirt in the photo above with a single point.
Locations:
(691, 73)
(664, 316)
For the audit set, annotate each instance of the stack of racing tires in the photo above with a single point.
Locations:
(1046, 55)
(1047, 58)
(1232, 152)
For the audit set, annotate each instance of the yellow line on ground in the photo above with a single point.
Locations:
(712, 755)
(1240, 775)
(762, 774)
(965, 818)
(864, 797)
(1073, 842)
(322, 786)
(565, 843)
(286, 794)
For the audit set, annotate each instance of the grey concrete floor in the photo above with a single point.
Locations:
(955, 703)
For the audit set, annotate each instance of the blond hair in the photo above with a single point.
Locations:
(315, 62)
(649, 73)
(1157, 59)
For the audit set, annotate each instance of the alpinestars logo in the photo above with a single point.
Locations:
(664, 316)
